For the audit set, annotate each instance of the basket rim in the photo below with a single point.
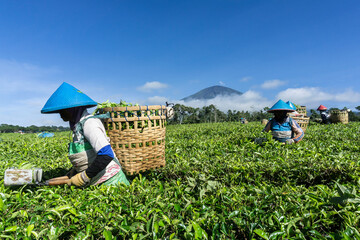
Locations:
(304, 118)
(339, 112)
(133, 108)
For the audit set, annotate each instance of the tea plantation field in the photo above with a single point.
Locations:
(217, 184)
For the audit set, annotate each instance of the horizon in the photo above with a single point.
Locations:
(150, 52)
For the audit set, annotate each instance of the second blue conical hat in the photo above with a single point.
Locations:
(67, 96)
(291, 105)
(281, 106)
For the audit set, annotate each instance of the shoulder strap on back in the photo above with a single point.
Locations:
(80, 125)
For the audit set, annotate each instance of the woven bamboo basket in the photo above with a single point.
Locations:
(301, 110)
(302, 121)
(337, 116)
(137, 135)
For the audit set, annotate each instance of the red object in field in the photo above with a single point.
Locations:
(321, 107)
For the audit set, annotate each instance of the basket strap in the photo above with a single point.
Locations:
(138, 114)
(147, 109)
(80, 125)
(110, 114)
(125, 114)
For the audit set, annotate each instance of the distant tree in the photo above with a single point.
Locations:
(314, 114)
(220, 116)
(229, 116)
(353, 117)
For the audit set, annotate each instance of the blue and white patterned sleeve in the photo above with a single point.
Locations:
(299, 133)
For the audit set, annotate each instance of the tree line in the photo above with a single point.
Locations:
(207, 114)
(185, 115)
(6, 128)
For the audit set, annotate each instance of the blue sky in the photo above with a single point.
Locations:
(149, 52)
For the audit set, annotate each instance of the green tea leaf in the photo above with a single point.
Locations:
(261, 233)
(11, 229)
(177, 207)
(107, 235)
(29, 229)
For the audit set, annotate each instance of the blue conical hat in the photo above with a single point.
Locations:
(67, 96)
(281, 106)
(291, 105)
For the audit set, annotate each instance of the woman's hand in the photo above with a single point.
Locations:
(79, 179)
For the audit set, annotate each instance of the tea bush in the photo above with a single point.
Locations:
(217, 184)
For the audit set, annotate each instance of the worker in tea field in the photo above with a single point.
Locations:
(90, 153)
(283, 128)
(325, 117)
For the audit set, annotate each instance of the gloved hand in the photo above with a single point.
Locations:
(289, 141)
(79, 179)
(71, 173)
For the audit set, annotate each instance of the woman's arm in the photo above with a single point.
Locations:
(299, 133)
(95, 133)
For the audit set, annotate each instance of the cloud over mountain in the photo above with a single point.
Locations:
(313, 96)
(248, 101)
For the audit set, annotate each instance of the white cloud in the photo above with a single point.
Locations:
(221, 83)
(249, 101)
(157, 100)
(150, 86)
(270, 84)
(348, 96)
(312, 97)
(304, 95)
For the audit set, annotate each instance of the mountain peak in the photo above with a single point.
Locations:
(212, 92)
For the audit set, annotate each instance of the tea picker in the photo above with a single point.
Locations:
(283, 128)
(90, 152)
(325, 117)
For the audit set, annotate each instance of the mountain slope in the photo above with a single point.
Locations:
(212, 92)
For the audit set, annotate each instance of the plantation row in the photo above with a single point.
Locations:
(217, 184)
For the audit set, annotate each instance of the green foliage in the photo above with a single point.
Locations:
(6, 128)
(208, 114)
(108, 104)
(217, 184)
